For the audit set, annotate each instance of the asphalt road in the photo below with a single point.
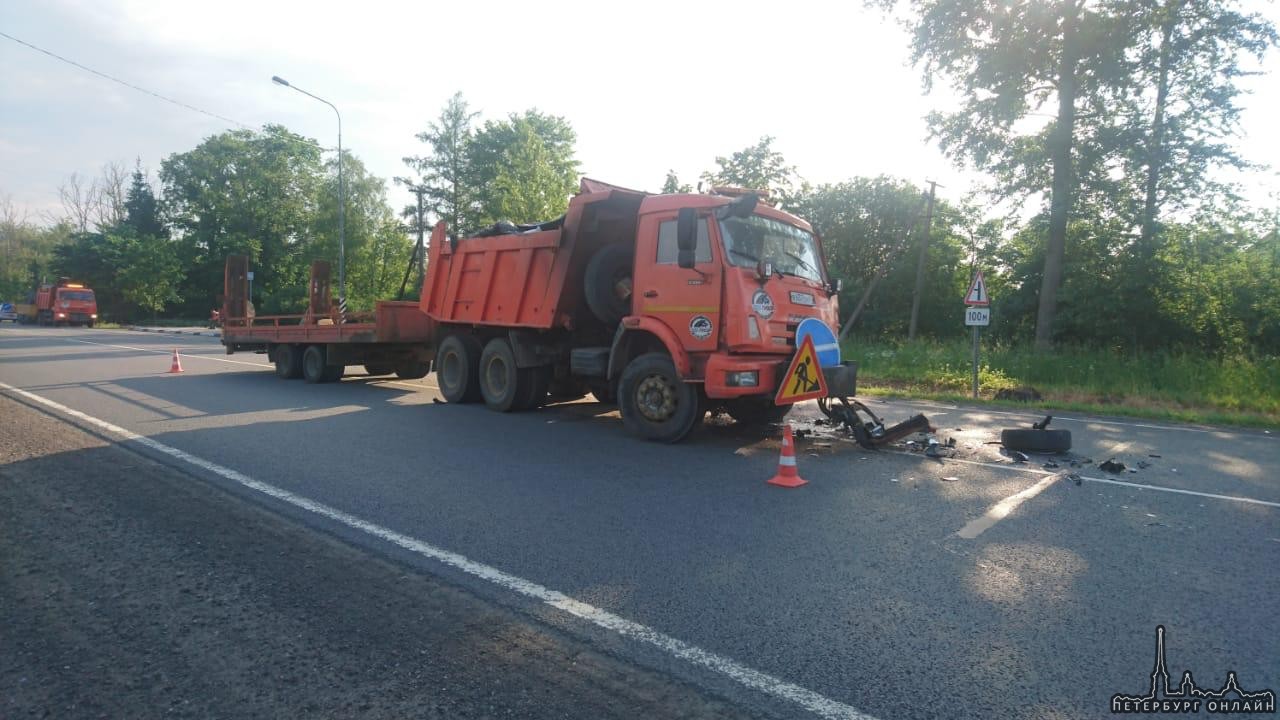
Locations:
(892, 586)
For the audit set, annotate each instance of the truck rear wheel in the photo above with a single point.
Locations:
(315, 366)
(499, 376)
(288, 359)
(533, 387)
(655, 403)
(608, 283)
(458, 368)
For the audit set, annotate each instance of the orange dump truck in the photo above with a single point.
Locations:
(60, 303)
(670, 305)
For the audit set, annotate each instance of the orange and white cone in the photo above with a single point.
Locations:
(787, 475)
(176, 365)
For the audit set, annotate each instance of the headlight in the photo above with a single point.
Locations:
(94, 316)
(746, 378)
(62, 314)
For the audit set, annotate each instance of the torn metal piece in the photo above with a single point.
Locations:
(1043, 424)
(1112, 466)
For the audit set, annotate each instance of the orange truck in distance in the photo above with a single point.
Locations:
(669, 305)
(60, 303)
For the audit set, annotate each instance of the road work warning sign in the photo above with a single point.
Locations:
(804, 380)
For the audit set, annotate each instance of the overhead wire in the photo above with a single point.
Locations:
(125, 83)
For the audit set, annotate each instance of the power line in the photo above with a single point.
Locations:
(125, 83)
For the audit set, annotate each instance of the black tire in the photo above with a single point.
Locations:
(533, 387)
(608, 283)
(756, 410)
(604, 390)
(334, 373)
(288, 359)
(566, 389)
(379, 369)
(314, 367)
(1039, 441)
(457, 369)
(412, 370)
(499, 377)
(656, 404)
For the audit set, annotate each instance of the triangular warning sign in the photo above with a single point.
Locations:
(977, 295)
(804, 380)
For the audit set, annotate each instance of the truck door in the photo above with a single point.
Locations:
(686, 300)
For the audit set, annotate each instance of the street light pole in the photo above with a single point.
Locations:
(342, 198)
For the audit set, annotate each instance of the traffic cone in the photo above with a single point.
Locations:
(176, 365)
(787, 475)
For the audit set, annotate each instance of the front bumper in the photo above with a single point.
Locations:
(842, 380)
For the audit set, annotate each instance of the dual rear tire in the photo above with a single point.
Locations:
(467, 371)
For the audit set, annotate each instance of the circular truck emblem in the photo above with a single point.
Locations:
(700, 327)
(762, 304)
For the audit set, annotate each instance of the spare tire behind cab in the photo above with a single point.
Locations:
(608, 283)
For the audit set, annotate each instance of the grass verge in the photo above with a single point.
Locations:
(1184, 387)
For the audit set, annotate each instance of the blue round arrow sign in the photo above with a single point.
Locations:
(824, 341)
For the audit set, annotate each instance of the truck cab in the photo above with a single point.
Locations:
(722, 281)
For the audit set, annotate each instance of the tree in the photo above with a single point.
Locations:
(673, 185)
(523, 167)
(148, 272)
(141, 208)
(79, 201)
(250, 193)
(758, 167)
(1007, 62)
(445, 173)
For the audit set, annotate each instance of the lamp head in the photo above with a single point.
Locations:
(279, 80)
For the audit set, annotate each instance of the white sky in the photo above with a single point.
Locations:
(647, 86)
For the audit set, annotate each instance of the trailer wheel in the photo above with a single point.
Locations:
(533, 387)
(412, 370)
(334, 373)
(656, 404)
(315, 369)
(499, 376)
(756, 410)
(608, 283)
(288, 359)
(458, 368)
(379, 369)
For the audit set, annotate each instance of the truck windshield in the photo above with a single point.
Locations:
(752, 239)
(76, 295)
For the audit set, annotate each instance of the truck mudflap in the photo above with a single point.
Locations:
(844, 410)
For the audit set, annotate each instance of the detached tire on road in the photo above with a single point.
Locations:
(458, 368)
(608, 283)
(499, 376)
(655, 403)
(1039, 441)
(288, 359)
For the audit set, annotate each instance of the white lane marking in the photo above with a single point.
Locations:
(1001, 510)
(754, 679)
(166, 352)
(1086, 421)
(1140, 486)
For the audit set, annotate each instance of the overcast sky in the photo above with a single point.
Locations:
(648, 86)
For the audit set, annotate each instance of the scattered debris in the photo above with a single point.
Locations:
(1052, 465)
(1075, 478)
(825, 445)
(437, 401)
(893, 479)
(1018, 456)
(1112, 466)
(1133, 470)
(1043, 424)
(959, 430)
(1156, 524)
(1020, 394)
(1173, 470)
(820, 421)
(1143, 464)
(951, 442)
(950, 478)
(803, 433)
(1155, 456)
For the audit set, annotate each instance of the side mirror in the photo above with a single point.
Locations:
(686, 237)
(838, 285)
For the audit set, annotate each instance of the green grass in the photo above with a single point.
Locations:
(1242, 390)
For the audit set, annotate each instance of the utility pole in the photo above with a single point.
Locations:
(419, 254)
(920, 265)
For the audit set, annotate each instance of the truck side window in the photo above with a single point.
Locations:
(667, 243)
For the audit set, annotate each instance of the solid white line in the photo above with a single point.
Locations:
(756, 680)
(166, 352)
(1001, 510)
(1141, 486)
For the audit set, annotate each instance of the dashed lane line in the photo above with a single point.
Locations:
(757, 680)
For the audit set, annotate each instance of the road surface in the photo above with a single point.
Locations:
(401, 556)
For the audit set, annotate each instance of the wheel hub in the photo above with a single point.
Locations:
(496, 374)
(656, 398)
(451, 369)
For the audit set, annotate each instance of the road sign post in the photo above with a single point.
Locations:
(977, 313)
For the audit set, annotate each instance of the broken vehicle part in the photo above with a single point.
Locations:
(1038, 441)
